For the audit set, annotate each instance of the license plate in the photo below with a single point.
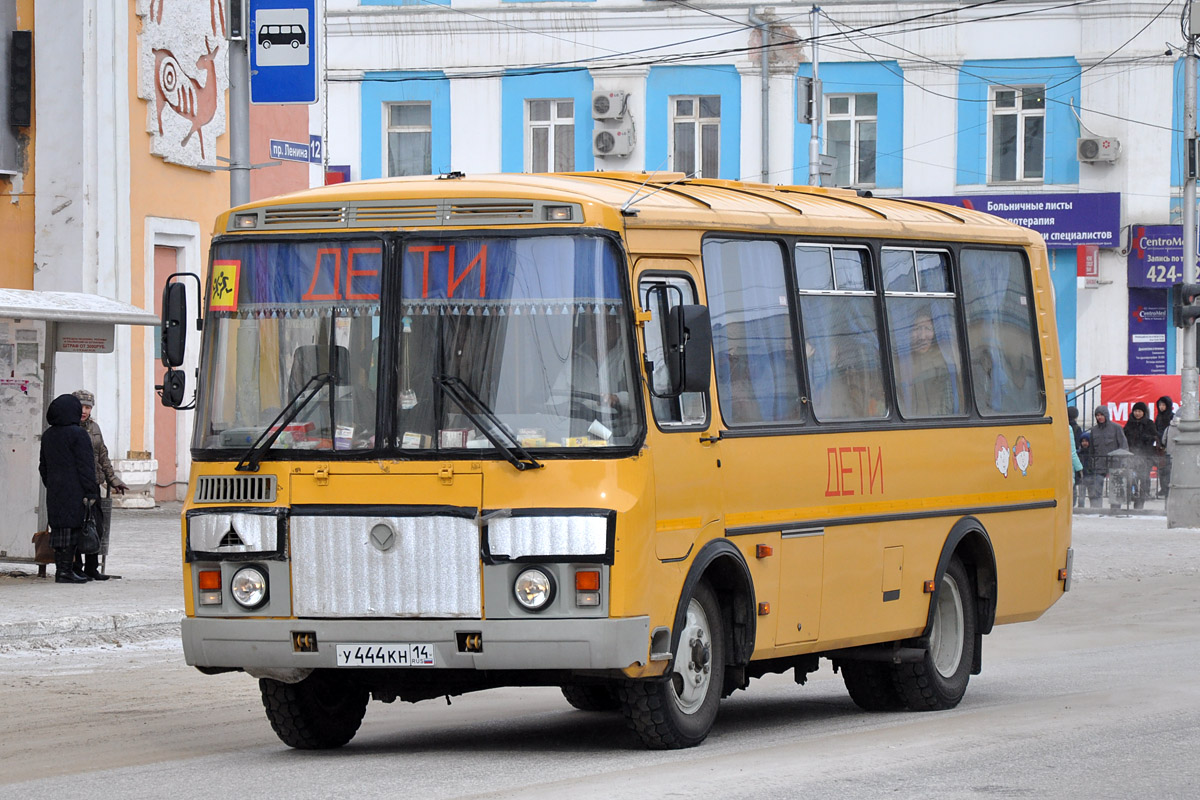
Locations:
(385, 655)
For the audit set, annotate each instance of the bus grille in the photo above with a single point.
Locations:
(235, 489)
(304, 217)
(385, 566)
(381, 216)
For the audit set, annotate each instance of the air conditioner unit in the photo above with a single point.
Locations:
(608, 105)
(1097, 148)
(617, 141)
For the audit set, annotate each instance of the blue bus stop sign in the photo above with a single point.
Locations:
(282, 40)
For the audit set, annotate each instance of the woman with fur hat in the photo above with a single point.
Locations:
(67, 468)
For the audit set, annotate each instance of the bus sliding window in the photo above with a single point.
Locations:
(841, 335)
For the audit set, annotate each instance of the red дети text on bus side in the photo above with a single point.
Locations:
(452, 281)
(334, 254)
(844, 463)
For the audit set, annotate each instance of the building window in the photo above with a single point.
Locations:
(409, 139)
(850, 123)
(550, 141)
(696, 135)
(1018, 133)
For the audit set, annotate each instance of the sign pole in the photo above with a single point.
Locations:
(239, 111)
(1183, 502)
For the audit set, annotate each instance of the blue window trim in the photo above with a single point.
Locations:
(381, 88)
(1061, 78)
(886, 80)
(517, 87)
(665, 82)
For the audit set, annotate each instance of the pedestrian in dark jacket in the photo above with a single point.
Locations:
(1087, 467)
(106, 476)
(1142, 439)
(67, 466)
(1077, 432)
(1105, 438)
(1164, 413)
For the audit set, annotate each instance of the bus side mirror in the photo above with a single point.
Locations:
(689, 348)
(174, 324)
(172, 388)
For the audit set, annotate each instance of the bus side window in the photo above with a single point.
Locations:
(688, 409)
(757, 379)
(1000, 333)
(923, 320)
(841, 335)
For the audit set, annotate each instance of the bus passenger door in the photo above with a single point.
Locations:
(687, 492)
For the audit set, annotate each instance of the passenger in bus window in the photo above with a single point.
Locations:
(926, 388)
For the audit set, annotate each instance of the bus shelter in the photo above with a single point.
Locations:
(34, 328)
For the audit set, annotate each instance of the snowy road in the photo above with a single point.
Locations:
(1099, 698)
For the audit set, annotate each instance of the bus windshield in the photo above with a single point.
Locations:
(536, 327)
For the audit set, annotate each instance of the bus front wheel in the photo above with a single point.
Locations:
(939, 680)
(679, 710)
(318, 713)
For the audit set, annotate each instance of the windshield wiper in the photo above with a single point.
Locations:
(487, 422)
(262, 444)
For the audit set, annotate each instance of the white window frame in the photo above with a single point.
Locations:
(1021, 114)
(389, 129)
(698, 124)
(855, 119)
(552, 125)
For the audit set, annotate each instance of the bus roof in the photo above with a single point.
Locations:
(622, 199)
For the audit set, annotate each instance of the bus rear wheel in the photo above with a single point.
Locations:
(939, 680)
(679, 710)
(318, 713)
(871, 685)
(592, 697)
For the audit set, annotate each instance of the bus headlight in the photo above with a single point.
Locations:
(534, 589)
(249, 587)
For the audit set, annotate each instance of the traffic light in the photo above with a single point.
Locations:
(20, 79)
(1184, 303)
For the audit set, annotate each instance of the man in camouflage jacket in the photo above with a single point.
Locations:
(90, 565)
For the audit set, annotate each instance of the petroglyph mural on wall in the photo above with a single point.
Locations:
(183, 73)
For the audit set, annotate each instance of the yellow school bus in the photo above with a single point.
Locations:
(640, 437)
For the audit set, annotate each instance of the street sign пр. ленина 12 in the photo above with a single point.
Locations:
(297, 151)
(282, 40)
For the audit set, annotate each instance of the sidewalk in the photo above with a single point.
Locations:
(144, 549)
(147, 602)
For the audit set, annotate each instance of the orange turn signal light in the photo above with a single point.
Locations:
(1062, 574)
(210, 579)
(763, 551)
(587, 580)
(764, 609)
(929, 586)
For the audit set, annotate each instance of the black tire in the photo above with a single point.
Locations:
(939, 680)
(872, 685)
(592, 697)
(266, 44)
(318, 713)
(667, 713)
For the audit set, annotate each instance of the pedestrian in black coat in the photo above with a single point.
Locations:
(67, 466)
(1141, 436)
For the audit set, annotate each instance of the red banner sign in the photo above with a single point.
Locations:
(1120, 392)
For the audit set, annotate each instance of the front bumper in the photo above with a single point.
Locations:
(506, 644)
